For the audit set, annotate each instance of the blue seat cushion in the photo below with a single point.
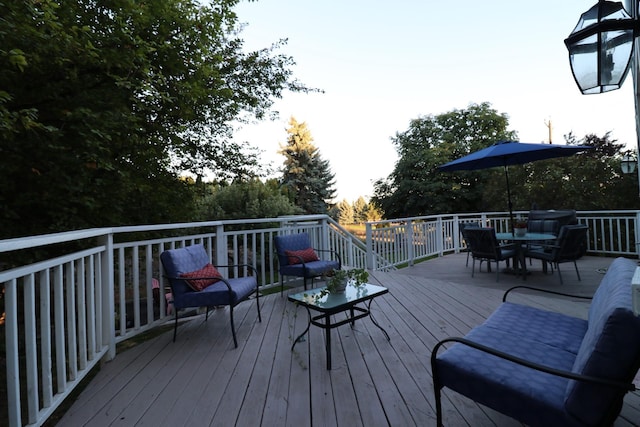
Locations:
(530, 396)
(313, 268)
(534, 324)
(218, 293)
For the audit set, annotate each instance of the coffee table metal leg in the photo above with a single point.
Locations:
(304, 332)
(376, 323)
(327, 332)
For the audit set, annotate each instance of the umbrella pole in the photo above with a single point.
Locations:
(512, 224)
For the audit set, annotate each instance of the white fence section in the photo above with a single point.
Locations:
(400, 242)
(69, 298)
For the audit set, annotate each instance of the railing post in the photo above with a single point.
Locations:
(440, 234)
(324, 234)
(108, 295)
(410, 251)
(369, 244)
(636, 233)
(221, 256)
(456, 234)
(12, 358)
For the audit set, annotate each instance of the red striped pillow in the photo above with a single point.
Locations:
(307, 255)
(202, 278)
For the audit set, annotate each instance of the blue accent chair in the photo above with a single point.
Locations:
(306, 270)
(226, 291)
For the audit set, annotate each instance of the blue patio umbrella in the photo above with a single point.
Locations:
(506, 153)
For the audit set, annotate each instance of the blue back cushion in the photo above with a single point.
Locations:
(290, 242)
(611, 346)
(183, 260)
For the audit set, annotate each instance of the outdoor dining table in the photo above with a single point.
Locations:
(520, 247)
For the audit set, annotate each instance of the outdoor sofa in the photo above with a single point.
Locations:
(544, 368)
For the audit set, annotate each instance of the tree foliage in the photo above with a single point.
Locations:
(240, 200)
(102, 104)
(360, 208)
(415, 187)
(305, 174)
(345, 212)
(587, 181)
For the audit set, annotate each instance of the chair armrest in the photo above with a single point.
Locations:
(504, 297)
(335, 253)
(532, 365)
(248, 266)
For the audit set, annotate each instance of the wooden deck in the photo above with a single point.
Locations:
(201, 380)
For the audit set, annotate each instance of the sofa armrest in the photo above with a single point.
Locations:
(546, 291)
(528, 364)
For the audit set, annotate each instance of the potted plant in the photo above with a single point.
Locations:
(337, 280)
(520, 227)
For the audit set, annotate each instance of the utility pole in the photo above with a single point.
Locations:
(550, 127)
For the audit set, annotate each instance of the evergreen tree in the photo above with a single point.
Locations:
(306, 175)
(345, 212)
(360, 210)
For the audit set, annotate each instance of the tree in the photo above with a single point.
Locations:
(345, 212)
(102, 104)
(590, 180)
(373, 213)
(360, 208)
(249, 199)
(415, 186)
(305, 173)
(587, 181)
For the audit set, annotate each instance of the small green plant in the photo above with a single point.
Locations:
(337, 278)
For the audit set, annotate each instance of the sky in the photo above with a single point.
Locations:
(382, 64)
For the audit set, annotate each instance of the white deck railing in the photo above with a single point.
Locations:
(404, 241)
(67, 312)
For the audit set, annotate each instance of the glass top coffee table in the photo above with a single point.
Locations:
(331, 304)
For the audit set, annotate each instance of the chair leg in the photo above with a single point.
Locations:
(233, 328)
(468, 252)
(437, 390)
(577, 272)
(175, 324)
(258, 304)
(473, 266)
(559, 274)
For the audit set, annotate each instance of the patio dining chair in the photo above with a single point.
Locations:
(485, 247)
(463, 226)
(196, 283)
(568, 247)
(296, 257)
